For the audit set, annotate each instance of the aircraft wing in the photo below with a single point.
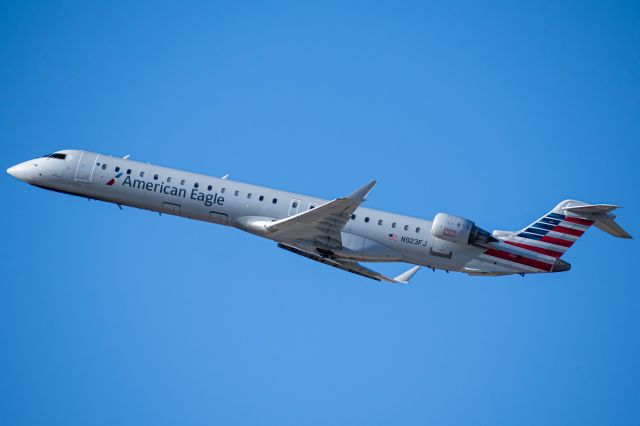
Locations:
(323, 224)
(353, 267)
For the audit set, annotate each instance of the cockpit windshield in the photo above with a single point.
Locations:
(57, 155)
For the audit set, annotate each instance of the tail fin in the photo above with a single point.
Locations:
(556, 231)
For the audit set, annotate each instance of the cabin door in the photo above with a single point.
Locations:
(86, 164)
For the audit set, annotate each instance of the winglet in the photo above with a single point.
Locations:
(362, 192)
(404, 277)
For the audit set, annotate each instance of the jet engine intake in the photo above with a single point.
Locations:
(459, 230)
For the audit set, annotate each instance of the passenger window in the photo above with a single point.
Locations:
(209, 188)
(141, 174)
(236, 193)
(294, 204)
(393, 225)
(195, 185)
(353, 217)
(417, 230)
(274, 201)
(222, 190)
(168, 179)
(155, 177)
(104, 167)
(366, 219)
(182, 182)
(380, 222)
(249, 195)
(117, 169)
(261, 198)
(128, 171)
(406, 227)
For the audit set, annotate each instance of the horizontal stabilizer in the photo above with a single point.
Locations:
(611, 227)
(601, 216)
(590, 209)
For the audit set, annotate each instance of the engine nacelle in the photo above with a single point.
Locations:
(459, 230)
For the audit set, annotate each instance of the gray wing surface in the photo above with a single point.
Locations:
(353, 267)
(321, 225)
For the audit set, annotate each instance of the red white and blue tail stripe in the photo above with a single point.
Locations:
(551, 235)
(538, 247)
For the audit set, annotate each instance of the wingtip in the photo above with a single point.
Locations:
(407, 275)
(363, 191)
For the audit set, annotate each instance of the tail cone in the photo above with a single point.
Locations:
(560, 266)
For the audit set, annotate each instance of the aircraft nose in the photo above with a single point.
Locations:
(18, 171)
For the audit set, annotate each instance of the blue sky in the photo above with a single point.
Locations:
(495, 112)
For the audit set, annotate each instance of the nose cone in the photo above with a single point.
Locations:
(19, 171)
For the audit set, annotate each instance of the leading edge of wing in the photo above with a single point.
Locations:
(326, 220)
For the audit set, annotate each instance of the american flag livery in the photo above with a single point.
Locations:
(539, 245)
(551, 235)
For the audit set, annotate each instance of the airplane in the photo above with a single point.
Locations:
(339, 232)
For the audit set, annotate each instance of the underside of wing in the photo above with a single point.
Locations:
(353, 267)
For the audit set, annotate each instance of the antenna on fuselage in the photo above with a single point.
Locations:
(225, 176)
(126, 156)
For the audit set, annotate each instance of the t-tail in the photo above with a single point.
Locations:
(539, 246)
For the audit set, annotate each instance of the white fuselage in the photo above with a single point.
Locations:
(371, 235)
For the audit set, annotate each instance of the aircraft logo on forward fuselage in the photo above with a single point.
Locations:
(113, 180)
(208, 199)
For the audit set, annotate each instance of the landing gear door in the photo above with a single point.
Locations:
(218, 217)
(86, 164)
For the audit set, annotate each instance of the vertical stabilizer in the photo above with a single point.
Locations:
(553, 233)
